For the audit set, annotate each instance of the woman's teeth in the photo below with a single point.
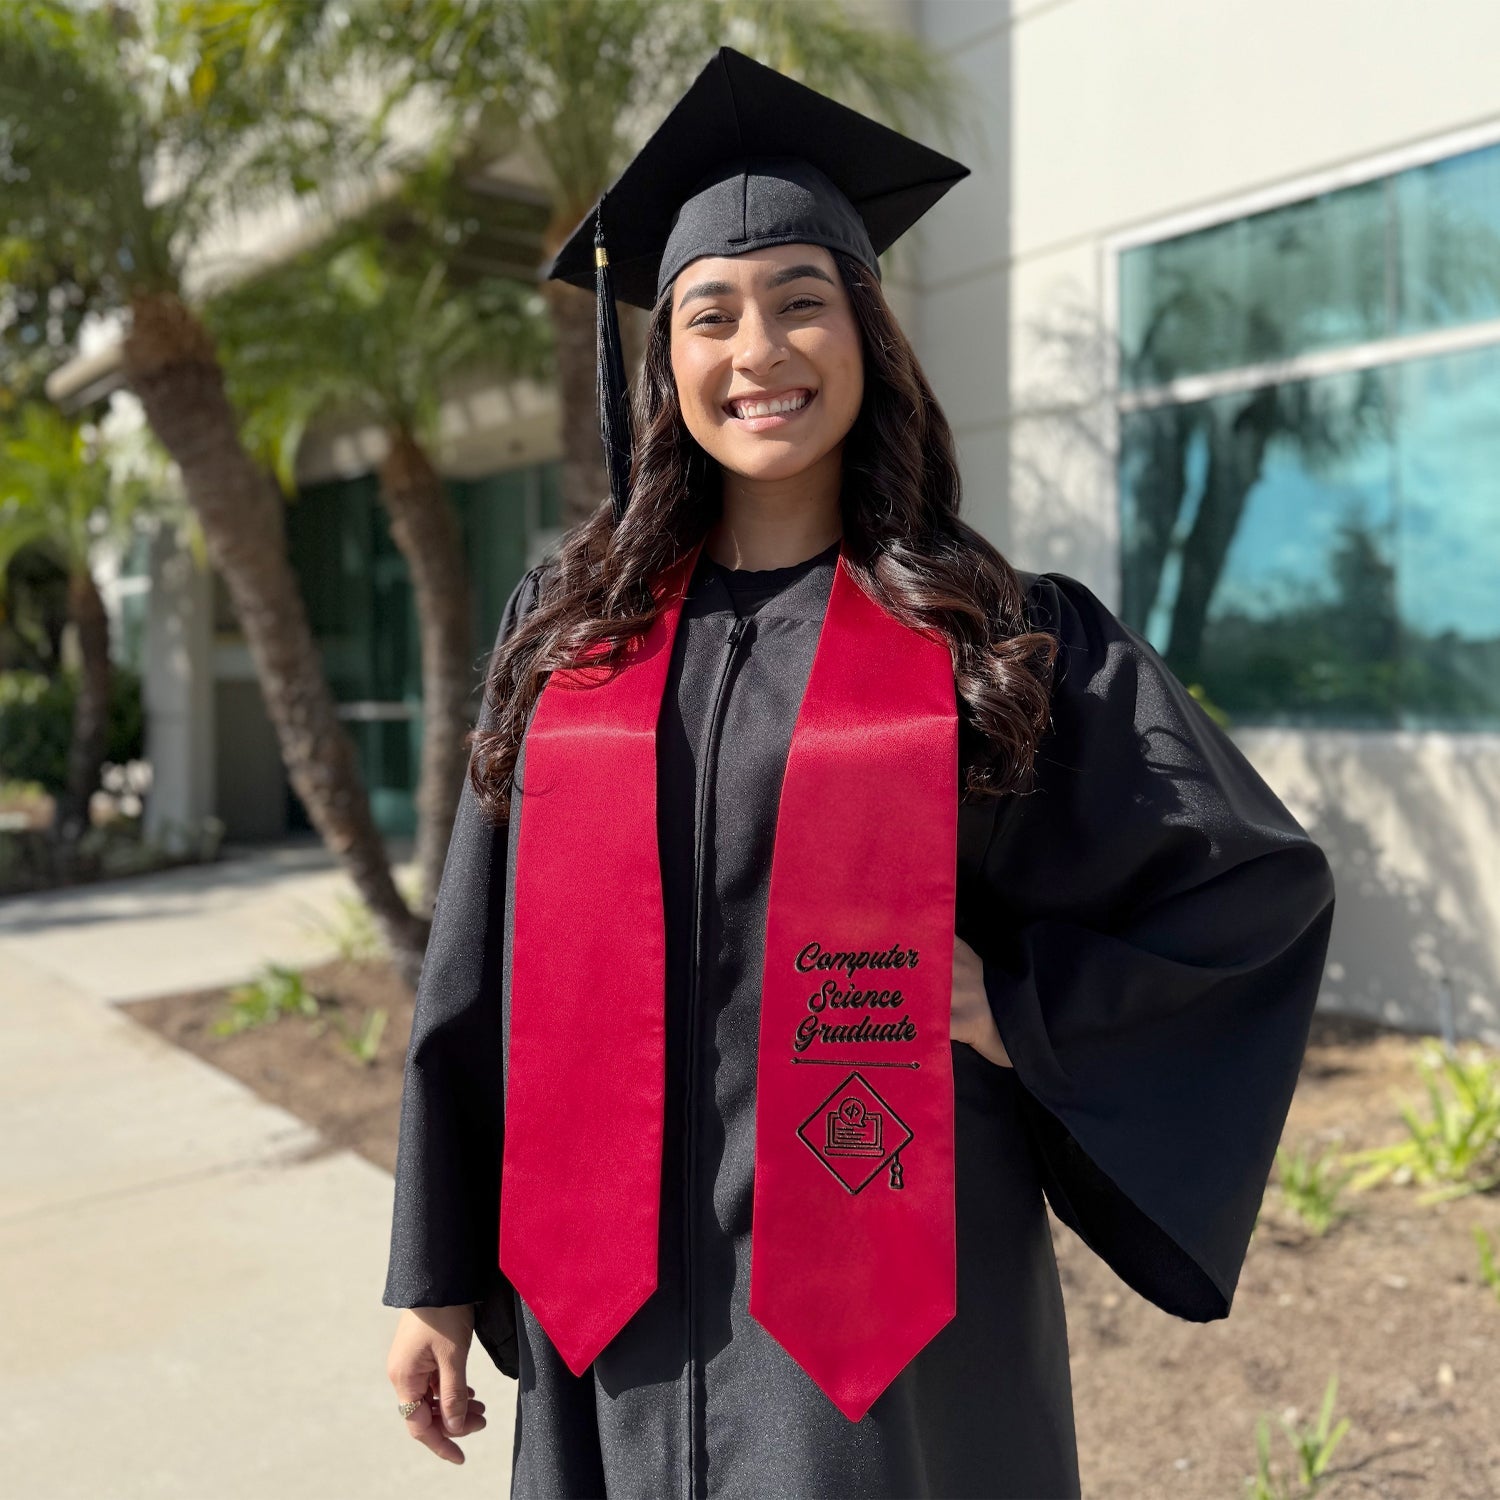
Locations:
(769, 408)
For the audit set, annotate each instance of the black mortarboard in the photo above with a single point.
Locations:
(747, 158)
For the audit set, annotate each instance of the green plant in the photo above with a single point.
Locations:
(1310, 1184)
(1489, 1272)
(1457, 1146)
(353, 932)
(1312, 1448)
(278, 991)
(1265, 1484)
(36, 723)
(364, 1044)
(36, 718)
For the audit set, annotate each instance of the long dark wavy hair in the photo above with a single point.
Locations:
(903, 541)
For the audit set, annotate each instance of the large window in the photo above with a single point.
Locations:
(1310, 453)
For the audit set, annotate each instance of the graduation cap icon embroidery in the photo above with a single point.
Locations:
(855, 1133)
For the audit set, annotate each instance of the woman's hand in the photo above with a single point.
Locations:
(426, 1364)
(973, 1021)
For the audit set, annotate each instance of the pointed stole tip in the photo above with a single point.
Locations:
(580, 1321)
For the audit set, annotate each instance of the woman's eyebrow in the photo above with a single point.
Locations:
(775, 279)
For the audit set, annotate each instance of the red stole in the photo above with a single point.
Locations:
(853, 1253)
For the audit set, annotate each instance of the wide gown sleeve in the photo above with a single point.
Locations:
(1152, 957)
(445, 1219)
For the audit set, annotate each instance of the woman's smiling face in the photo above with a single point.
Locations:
(770, 326)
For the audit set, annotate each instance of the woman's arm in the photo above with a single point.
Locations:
(443, 1263)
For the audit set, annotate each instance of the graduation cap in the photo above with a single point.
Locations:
(747, 158)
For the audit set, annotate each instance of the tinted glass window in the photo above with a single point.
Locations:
(1323, 551)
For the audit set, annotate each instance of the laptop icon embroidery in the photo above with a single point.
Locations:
(854, 1130)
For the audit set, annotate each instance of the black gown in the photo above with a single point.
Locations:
(1153, 924)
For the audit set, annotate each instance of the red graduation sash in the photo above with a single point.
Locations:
(853, 1261)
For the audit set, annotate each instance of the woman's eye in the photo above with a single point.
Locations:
(705, 320)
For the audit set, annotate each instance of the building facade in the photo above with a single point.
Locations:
(1219, 329)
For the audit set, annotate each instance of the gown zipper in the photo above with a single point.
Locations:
(737, 633)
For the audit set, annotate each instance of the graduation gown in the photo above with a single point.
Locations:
(1153, 924)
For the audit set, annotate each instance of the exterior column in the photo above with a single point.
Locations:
(178, 688)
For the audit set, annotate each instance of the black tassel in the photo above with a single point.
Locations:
(613, 392)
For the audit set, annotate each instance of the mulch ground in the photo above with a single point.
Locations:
(1391, 1300)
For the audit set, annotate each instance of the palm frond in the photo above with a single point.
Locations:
(58, 487)
(72, 146)
(579, 84)
(358, 328)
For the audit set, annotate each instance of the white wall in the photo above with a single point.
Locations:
(961, 325)
(1411, 825)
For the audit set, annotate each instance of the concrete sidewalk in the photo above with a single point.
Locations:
(189, 1311)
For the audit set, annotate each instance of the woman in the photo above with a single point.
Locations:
(1137, 923)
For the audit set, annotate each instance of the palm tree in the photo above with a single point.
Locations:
(577, 85)
(58, 495)
(126, 134)
(376, 330)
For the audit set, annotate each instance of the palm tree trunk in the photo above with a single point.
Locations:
(425, 528)
(1236, 456)
(171, 365)
(90, 713)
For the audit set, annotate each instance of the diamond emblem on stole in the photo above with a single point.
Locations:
(854, 1133)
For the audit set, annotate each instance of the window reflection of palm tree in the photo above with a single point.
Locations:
(1186, 531)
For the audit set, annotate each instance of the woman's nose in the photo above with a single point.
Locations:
(759, 343)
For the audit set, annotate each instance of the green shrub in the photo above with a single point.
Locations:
(1457, 1146)
(36, 724)
(278, 991)
(125, 735)
(1310, 1184)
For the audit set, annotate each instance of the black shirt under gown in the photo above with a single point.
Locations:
(1153, 924)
